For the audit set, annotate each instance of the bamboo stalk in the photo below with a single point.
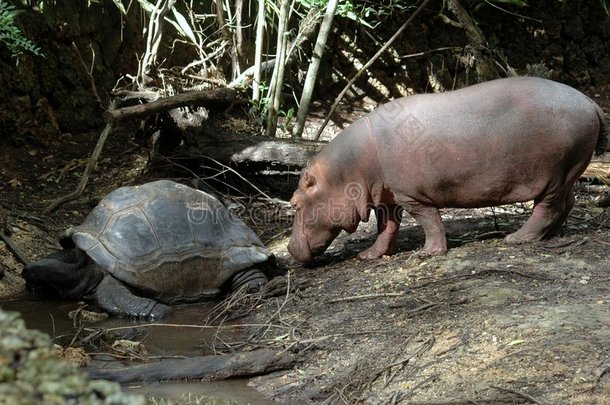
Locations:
(312, 72)
(258, 53)
(277, 79)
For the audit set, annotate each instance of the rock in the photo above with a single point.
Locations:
(32, 373)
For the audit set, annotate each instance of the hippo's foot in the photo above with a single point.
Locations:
(429, 218)
(434, 248)
(388, 222)
(114, 297)
(384, 245)
(521, 236)
(375, 252)
(547, 217)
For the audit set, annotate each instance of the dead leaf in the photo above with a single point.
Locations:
(15, 183)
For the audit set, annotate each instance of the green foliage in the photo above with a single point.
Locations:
(289, 117)
(11, 36)
(370, 14)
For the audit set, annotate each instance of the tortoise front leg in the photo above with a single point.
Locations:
(114, 297)
(253, 279)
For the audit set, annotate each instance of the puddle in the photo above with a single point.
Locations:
(172, 339)
(226, 392)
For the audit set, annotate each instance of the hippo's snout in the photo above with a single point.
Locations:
(299, 250)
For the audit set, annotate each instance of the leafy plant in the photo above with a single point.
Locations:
(11, 35)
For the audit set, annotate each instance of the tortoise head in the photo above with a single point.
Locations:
(67, 273)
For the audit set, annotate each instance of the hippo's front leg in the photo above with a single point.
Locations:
(388, 222)
(430, 220)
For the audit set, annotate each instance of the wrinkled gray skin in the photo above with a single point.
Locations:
(147, 247)
(499, 142)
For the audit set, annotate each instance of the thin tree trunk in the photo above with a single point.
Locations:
(277, 79)
(258, 53)
(239, 37)
(366, 66)
(312, 72)
(484, 64)
(228, 36)
(153, 38)
(307, 28)
(218, 98)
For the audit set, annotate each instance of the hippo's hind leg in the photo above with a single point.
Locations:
(388, 222)
(549, 213)
(430, 220)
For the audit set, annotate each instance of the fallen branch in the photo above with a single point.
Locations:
(244, 364)
(85, 177)
(177, 325)
(423, 307)
(278, 151)
(215, 98)
(18, 253)
(209, 98)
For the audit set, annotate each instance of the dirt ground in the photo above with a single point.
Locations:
(484, 323)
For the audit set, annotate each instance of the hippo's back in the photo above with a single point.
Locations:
(493, 143)
(492, 111)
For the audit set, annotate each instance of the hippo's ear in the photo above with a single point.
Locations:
(309, 180)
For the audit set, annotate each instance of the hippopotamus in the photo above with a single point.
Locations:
(499, 142)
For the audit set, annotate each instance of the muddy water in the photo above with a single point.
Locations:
(173, 340)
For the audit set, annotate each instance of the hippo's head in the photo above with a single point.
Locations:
(323, 208)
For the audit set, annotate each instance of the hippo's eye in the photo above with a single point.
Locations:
(294, 204)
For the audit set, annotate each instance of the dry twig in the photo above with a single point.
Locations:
(85, 177)
(365, 297)
(605, 370)
(18, 253)
(424, 347)
(366, 66)
(520, 394)
(465, 401)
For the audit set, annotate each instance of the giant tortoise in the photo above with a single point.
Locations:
(144, 248)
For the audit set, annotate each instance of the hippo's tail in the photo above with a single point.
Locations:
(602, 138)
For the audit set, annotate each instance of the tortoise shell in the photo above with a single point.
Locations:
(175, 243)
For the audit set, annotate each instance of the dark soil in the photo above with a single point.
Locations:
(484, 323)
